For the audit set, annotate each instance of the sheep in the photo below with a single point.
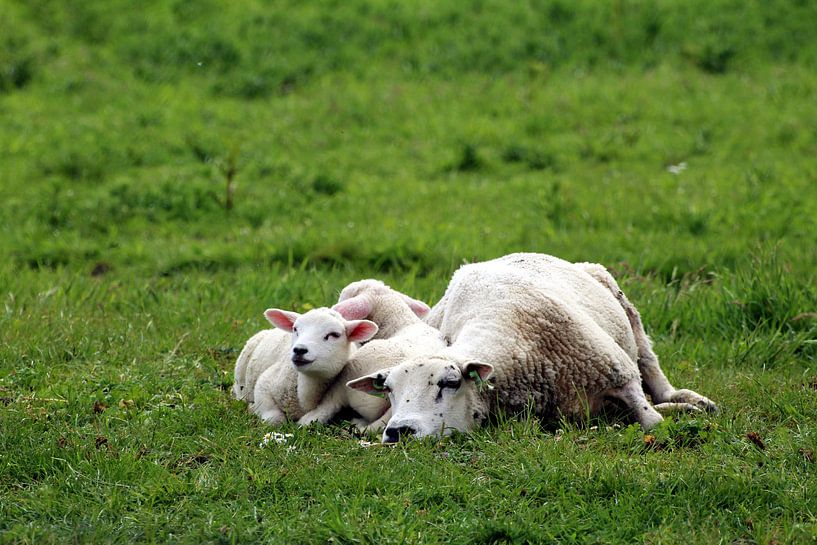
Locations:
(527, 331)
(407, 335)
(390, 309)
(288, 369)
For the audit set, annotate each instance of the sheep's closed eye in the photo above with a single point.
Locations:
(332, 335)
(452, 383)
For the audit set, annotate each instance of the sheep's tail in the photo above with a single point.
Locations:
(652, 376)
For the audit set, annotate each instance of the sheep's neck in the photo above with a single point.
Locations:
(311, 390)
(481, 341)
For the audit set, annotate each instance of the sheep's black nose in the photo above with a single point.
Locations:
(394, 434)
(299, 350)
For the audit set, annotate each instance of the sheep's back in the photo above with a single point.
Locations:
(273, 349)
(556, 338)
(509, 282)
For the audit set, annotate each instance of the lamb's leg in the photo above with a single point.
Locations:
(376, 426)
(269, 412)
(328, 407)
(633, 397)
(655, 381)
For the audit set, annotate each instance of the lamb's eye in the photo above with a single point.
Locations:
(452, 383)
(332, 335)
(295, 330)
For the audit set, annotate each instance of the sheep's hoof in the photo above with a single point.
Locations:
(694, 398)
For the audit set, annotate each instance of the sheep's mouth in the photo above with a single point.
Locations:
(299, 361)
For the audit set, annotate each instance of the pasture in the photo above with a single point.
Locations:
(168, 170)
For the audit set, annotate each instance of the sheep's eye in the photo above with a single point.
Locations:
(333, 335)
(452, 383)
(294, 329)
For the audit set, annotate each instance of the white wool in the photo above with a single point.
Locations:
(557, 337)
(373, 300)
(401, 334)
(283, 373)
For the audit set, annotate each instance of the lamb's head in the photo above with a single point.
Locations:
(322, 339)
(357, 300)
(430, 396)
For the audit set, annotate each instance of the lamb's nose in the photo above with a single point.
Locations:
(394, 434)
(299, 350)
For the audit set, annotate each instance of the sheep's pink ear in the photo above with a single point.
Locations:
(359, 331)
(354, 308)
(282, 319)
(417, 307)
(374, 384)
(478, 371)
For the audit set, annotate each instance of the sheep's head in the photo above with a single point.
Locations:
(356, 300)
(430, 396)
(321, 338)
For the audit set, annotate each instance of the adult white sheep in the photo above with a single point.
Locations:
(289, 368)
(552, 335)
(406, 336)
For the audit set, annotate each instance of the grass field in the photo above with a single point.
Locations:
(676, 143)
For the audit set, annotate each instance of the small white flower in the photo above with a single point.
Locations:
(279, 438)
(677, 169)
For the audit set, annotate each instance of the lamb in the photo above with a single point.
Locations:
(554, 336)
(373, 300)
(284, 372)
(406, 335)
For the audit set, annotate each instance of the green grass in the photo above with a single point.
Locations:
(375, 138)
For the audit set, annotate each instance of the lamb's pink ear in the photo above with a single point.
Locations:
(359, 331)
(374, 384)
(282, 319)
(417, 307)
(477, 370)
(354, 308)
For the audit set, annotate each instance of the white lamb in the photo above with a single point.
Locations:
(557, 337)
(284, 372)
(373, 300)
(407, 335)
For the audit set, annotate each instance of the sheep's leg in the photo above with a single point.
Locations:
(633, 397)
(323, 413)
(269, 413)
(379, 424)
(670, 408)
(655, 381)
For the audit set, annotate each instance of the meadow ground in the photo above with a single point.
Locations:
(674, 143)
